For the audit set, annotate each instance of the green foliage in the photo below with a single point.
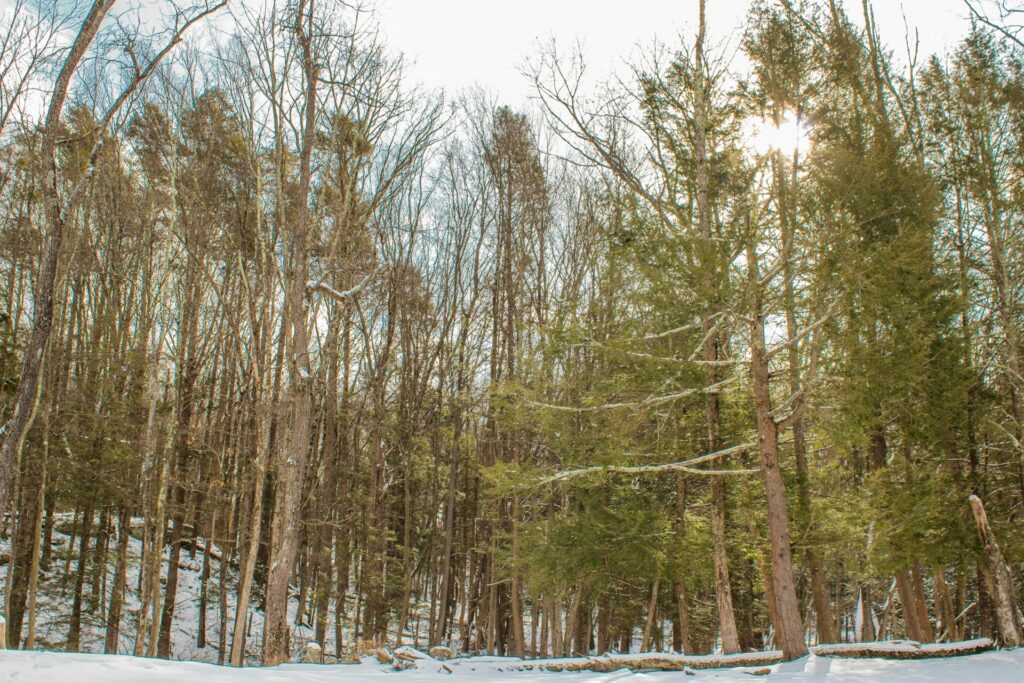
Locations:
(917, 514)
(608, 535)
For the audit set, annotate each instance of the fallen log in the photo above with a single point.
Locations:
(897, 649)
(903, 649)
(652, 662)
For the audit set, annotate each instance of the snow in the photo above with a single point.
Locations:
(55, 601)
(989, 667)
(831, 664)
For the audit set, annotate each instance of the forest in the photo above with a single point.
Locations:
(722, 354)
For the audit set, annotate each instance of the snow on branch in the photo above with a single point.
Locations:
(346, 294)
(663, 359)
(644, 403)
(683, 466)
(673, 331)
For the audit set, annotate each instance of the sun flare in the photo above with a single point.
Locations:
(791, 135)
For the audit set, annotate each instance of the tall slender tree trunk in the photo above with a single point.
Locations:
(652, 608)
(120, 579)
(911, 611)
(249, 552)
(682, 601)
(204, 576)
(75, 623)
(944, 606)
(921, 603)
(518, 628)
(160, 524)
(449, 519)
(723, 587)
(789, 630)
(164, 643)
(37, 540)
(788, 217)
(290, 458)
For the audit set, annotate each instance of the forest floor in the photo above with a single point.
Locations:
(56, 588)
(989, 667)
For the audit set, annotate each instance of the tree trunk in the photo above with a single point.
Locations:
(867, 625)
(518, 628)
(120, 578)
(75, 624)
(908, 599)
(723, 589)
(204, 580)
(248, 554)
(171, 587)
(681, 628)
(294, 449)
(998, 581)
(789, 629)
(921, 603)
(603, 626)
(652, 608)
(37, 540)
(944, 606)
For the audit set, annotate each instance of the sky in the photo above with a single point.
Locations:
(459, 43)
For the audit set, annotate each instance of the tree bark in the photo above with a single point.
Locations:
(652, 608)
(789, 630)
(998, 581)
(75, 624)
(293, 451)
(120, 579)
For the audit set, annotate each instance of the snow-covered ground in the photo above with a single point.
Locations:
(55, 591)
(55, 601)
(989, 667)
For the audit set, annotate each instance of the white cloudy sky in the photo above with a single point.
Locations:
(456, 43)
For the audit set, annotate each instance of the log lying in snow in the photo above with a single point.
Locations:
(671, 663)
(903, 649)
(899, 649)
(653, 662)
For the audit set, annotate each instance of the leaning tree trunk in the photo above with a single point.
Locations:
(999, 581)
